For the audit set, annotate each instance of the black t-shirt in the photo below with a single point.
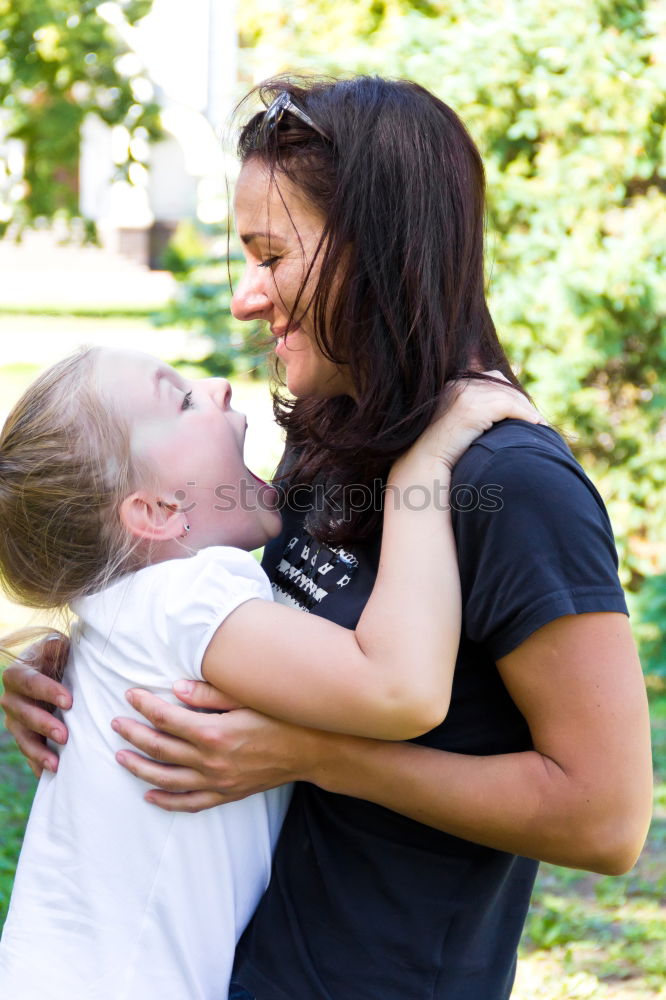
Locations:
(366, 904)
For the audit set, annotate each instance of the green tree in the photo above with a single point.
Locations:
(567, 105)
(60, 60)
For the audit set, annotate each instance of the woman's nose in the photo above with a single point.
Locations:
(250, 300)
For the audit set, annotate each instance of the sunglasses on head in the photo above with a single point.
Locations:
(273, 116)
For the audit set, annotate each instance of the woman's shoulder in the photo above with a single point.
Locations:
(527, 474)
(534, 540)
(516, 449)
(520, 434)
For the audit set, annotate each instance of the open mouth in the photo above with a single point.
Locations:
(281, 337)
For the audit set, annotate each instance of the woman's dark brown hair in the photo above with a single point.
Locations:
(401, 295)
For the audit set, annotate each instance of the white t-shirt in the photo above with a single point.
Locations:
(114, 898)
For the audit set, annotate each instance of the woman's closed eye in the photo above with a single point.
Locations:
(187, 401)
(269, 262)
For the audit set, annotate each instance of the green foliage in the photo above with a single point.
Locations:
(556, 920)
(59, 61)
(566, 102)
(649, 610)
(184, 249)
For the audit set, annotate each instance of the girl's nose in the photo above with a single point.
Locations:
(250, 300)
(220, 389)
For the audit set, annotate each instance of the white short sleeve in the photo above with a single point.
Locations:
(199, 593)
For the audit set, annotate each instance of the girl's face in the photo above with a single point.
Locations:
(187, 435)
(280, 232)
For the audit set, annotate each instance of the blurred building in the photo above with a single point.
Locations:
(189, 52)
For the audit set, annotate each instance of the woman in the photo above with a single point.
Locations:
(404, 871)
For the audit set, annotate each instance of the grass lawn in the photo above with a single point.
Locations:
(587, 936)
(600, 936)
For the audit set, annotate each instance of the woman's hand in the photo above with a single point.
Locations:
(200, 760)
(32, 690)
(476, 405)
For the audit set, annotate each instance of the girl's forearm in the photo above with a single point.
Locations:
(412, 618)
(391, 677)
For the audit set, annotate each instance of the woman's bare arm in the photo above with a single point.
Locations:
(581, 798)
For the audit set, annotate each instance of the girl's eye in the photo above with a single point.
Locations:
(187, 401)
(269, 262)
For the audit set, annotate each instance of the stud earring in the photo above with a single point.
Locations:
(186, 528)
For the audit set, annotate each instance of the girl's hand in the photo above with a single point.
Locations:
(475, 407)
(200, 760)
(32, 690)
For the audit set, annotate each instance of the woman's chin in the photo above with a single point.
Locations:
(326, 383)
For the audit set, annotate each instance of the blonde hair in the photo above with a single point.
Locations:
(65, 467)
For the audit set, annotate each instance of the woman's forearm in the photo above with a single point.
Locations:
(582, 797)
(522, 803)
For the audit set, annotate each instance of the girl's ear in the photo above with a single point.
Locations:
(146, 517)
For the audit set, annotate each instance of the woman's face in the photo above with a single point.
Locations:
(279, 232)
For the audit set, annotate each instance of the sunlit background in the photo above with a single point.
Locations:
(116, 166)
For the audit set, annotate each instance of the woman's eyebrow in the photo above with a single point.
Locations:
(271, 237)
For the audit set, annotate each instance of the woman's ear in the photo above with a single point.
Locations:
(154, 520)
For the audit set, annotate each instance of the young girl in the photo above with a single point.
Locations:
(124, 494)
